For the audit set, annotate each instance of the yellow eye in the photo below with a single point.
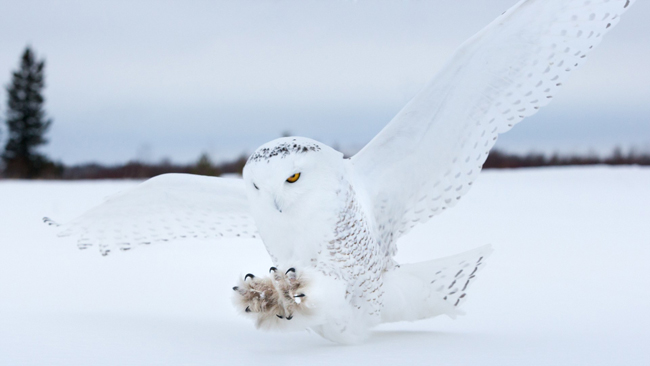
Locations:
(293, 178)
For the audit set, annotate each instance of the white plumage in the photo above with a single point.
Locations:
(330, 224)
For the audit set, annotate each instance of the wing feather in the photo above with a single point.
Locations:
(166, 207)
(427, 157)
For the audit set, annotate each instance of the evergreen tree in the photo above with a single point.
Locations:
(205, 167)
(26, 121)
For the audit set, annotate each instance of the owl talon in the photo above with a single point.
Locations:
(280, 295)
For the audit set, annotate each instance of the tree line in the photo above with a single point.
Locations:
(27, 125)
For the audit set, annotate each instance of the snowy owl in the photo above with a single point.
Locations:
(331, 224)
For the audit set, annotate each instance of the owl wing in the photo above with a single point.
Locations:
(163, 208)
(427, 157)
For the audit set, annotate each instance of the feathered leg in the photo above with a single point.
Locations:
(292, 299)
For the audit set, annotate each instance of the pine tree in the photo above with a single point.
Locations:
(205, 167)
(26, 121)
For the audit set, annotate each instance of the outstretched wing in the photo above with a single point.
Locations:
(427, 157)
(165, 207)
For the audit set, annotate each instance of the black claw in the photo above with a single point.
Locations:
(235, 288)
(301, 295)
(272, 269)
(249, 275)
(248, 309)
(290, 270)
(290, 317)
(279, 316)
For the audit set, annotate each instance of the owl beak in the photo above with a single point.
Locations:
(277, 207)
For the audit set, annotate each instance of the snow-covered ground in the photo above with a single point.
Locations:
(568, 284)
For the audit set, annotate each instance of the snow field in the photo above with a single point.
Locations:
(568, 283)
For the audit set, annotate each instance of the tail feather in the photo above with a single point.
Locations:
(427, 289)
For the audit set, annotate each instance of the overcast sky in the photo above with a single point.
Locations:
(156, 79)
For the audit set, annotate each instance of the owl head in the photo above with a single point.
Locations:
(292, 172)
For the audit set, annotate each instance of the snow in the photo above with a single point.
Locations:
(568, 283)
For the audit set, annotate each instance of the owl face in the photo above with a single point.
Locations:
(288, 174)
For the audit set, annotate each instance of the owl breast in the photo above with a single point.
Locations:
(354, 254)
(297, 235)
(330, 231)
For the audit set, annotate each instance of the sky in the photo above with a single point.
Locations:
(154, 80)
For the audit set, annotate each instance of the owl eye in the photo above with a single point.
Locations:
(293, 178)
